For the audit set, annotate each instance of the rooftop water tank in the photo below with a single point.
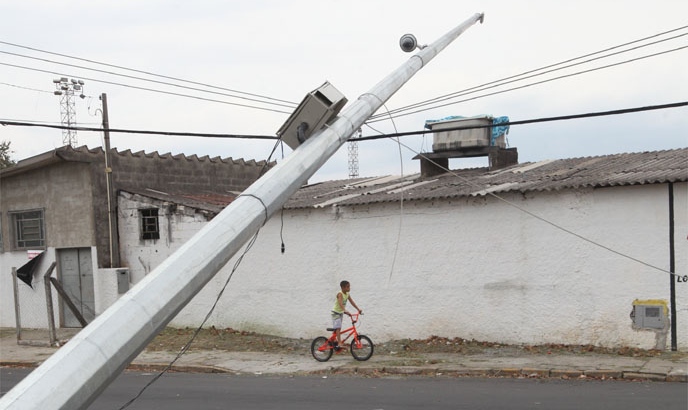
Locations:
(456, 133)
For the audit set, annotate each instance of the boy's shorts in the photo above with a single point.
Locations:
(337, 320)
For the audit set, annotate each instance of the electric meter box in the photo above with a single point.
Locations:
(122, 280)
(649, 314)
(318, 108)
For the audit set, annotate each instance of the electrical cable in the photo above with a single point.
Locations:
(143, 72)
(26, 88)
(282, 246)
(503, 80)
(538, 82)
(401, 205)
(126, 131)
(198, 330)
(186, 347)
(290, 105)
(532, 121)
(534, 215)
(373, 137)
(145, 88)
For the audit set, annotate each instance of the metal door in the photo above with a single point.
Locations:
(75, 271)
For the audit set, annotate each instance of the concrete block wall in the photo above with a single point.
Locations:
(166, 173)
(475, 268)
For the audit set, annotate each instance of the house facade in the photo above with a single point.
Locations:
(57, 203)
(571, 251)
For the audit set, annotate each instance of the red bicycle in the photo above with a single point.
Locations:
(361, 346)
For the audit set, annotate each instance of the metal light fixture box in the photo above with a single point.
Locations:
(649, 314)
(318, 108)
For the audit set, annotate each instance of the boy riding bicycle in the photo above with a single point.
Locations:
(339, 310)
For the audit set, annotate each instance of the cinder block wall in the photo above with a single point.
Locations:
(167, 173)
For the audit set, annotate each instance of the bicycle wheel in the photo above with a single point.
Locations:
(365, 351)
(320, 349)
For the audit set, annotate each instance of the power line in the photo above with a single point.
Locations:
(397, 134)
(504, 81)
(542, 219)
(536, 120)
(498, 83)
(379, 118)
(144, 72)
(145, 88)
(26, 88)
(126, 131)
(290, 105)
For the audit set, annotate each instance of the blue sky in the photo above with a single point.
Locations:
(284, 49)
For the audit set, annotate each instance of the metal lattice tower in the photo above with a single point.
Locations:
(65, 89)
(353, 156)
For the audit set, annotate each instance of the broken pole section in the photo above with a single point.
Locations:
(77, 373)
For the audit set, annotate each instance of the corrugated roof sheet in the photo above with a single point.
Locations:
(550, 175)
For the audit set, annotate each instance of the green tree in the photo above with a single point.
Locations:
(5, 151)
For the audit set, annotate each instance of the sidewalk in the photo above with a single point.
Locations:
(671, 366)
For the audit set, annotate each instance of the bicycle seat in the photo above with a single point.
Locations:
(331, 329)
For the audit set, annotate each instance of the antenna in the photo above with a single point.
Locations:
(66, 88)
(353, 156)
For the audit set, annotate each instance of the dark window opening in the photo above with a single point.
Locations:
(149, 224)
(28, 229)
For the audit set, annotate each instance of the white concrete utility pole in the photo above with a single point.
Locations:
(78, 372)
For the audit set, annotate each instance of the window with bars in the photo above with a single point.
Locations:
(28, 229)
(149, 223)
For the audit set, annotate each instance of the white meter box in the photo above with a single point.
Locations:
(649, 314)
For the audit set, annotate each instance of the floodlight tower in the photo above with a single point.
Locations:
(66, 88)
(353, 156)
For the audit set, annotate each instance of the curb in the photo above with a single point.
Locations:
(513, 372)
(678, 377)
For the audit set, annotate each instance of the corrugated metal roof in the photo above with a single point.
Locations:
(550, 175)
(209, 201)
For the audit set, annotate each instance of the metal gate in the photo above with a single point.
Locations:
(75, 271)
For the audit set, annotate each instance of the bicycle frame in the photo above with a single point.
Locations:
(345, 334)
(361, 347)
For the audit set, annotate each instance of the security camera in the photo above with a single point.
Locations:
(408, 43)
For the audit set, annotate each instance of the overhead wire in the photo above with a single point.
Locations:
(290, 105)
(540, 218)
(127, 131)
(188, 344)
(145, 88)
(401, 206)
(186, 347)
(26, 88)
(144, 72)
(514, 78)
(534, 120)
(373, 118)
(545, 67)
(536, 83)
(6, 122)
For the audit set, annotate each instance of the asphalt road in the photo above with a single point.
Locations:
(176, 391)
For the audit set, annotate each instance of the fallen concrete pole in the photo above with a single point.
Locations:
(78, 372)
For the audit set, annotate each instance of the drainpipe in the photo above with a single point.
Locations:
(672, 268)
(112, 209)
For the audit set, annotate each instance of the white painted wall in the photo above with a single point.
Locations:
(476, 268)
(33, 306)
(106, 290)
